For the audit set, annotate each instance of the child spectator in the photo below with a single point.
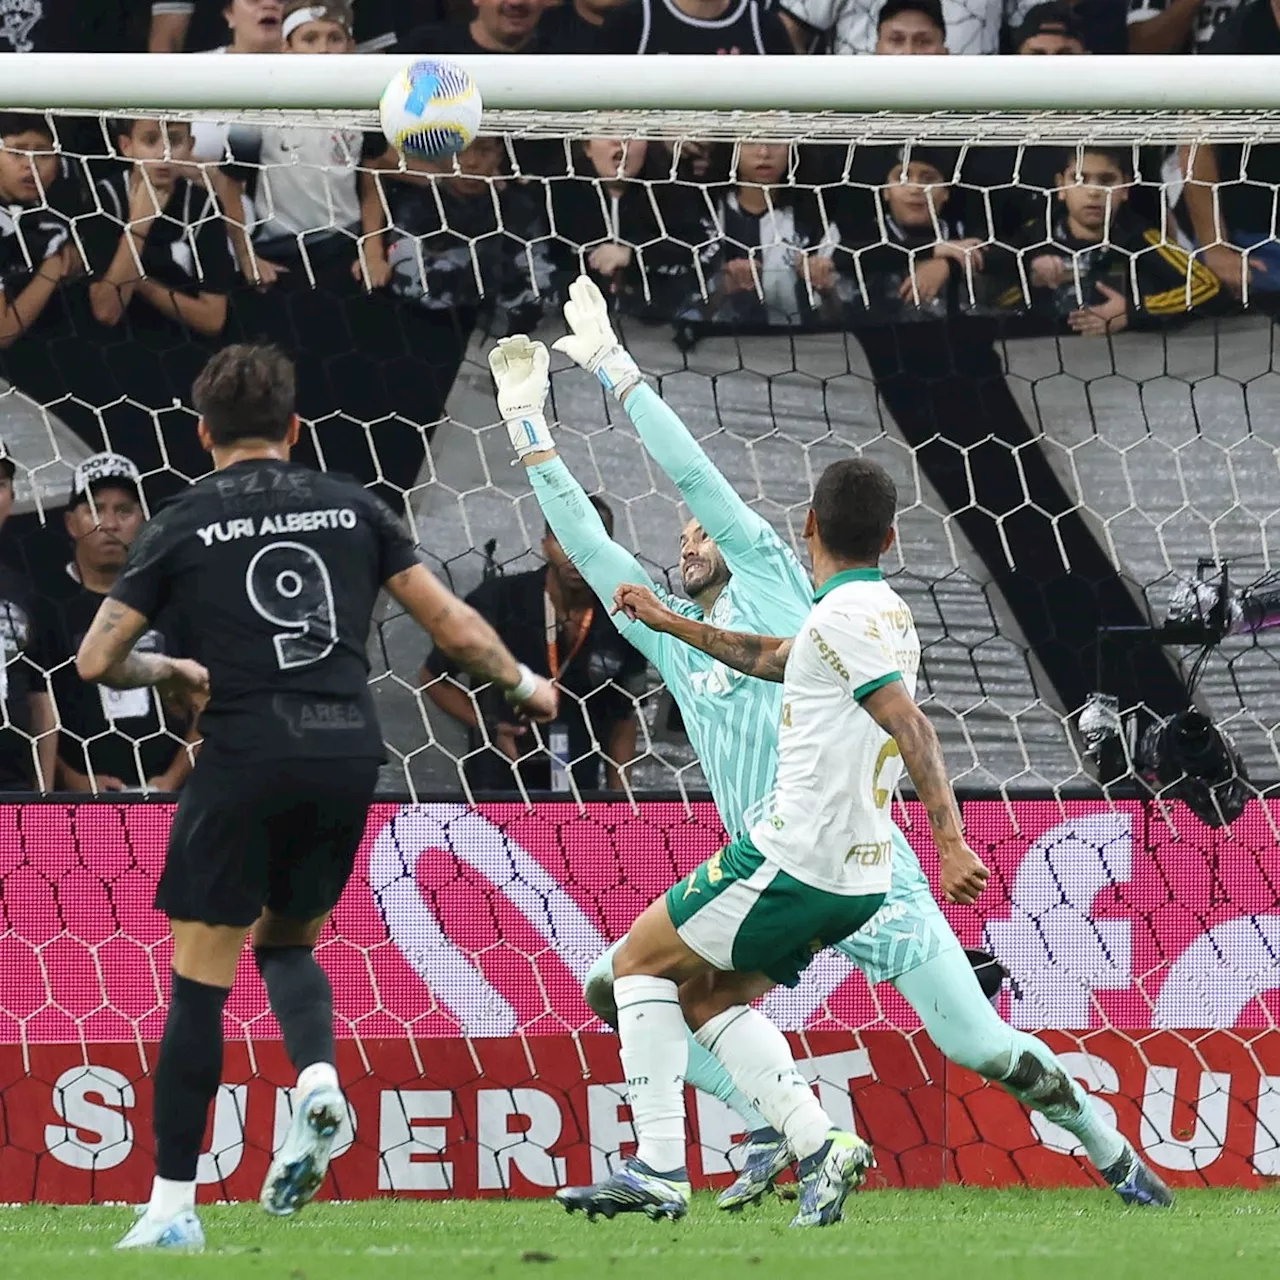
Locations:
(923, 262)
(161, 244)
(108, 739)
(630, 235)
(161, 275)
(311, 186)
(37, 253)
(1098, 267)
(767, 248)
(179, 26)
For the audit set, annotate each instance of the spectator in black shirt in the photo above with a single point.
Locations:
(694, 26)
(911, 27)
(37, 255)
(445, 226)
(552, 623)
(499, 26)
(108, 739)
(28, 739)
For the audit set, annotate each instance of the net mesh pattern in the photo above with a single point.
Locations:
(1068, 441)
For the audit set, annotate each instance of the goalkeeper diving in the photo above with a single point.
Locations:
(719, 654)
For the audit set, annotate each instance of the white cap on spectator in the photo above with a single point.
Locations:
(99, 469)
(7, 464)
(331, 12)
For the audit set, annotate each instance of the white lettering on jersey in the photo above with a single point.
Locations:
(718, 680)
(286, 522)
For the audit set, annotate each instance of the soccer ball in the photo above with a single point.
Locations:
(431, 109)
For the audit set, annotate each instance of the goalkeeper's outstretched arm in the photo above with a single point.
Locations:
(593, 345)
(520, 372)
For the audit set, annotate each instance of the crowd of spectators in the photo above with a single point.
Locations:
(131, 249)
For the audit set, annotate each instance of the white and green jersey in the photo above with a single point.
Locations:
(731, 719)
(830, 824)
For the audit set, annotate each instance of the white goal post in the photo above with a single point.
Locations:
(567, 83)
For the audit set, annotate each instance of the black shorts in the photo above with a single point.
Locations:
(278, 834)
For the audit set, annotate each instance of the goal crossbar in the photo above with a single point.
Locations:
(566, 83)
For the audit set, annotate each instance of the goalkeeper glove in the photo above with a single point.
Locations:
(520, 372)
(592, 343)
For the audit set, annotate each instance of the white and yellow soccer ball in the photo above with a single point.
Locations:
(431, 109)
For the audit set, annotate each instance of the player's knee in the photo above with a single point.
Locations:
(597, 991)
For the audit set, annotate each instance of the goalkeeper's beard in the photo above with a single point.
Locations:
(702, 576)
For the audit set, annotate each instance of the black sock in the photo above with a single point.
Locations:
(187, 1075)
(302, 1000)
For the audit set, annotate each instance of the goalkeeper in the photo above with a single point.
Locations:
(741, 576)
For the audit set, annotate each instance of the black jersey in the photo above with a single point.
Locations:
(658, 26)
(272, 571)
(124, 733)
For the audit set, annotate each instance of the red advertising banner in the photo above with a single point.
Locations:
(1142, 949)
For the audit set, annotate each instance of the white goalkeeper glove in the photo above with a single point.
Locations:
(592, 343)
(520, 373)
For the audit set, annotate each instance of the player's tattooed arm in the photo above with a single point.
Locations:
(469, 640)
(764, 657)
(895, 711)
(106, 657)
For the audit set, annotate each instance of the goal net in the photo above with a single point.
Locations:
(1036, 320)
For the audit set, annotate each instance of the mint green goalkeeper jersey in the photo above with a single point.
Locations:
(731, 718)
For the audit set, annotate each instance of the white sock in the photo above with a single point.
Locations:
(756, 1054)
(317, 1074)
(655, 1054)
(169, 1197)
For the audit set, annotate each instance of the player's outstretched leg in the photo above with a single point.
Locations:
(962, 1023)
(188, 1072)
(654, 1059)
(766, 1153)
(302, 1001)
(832, 1163)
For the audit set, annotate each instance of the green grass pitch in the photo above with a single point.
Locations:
(934, 1235)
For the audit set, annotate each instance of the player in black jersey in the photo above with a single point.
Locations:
(274, 570)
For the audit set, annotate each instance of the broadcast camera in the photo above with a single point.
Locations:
(1186, 756)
